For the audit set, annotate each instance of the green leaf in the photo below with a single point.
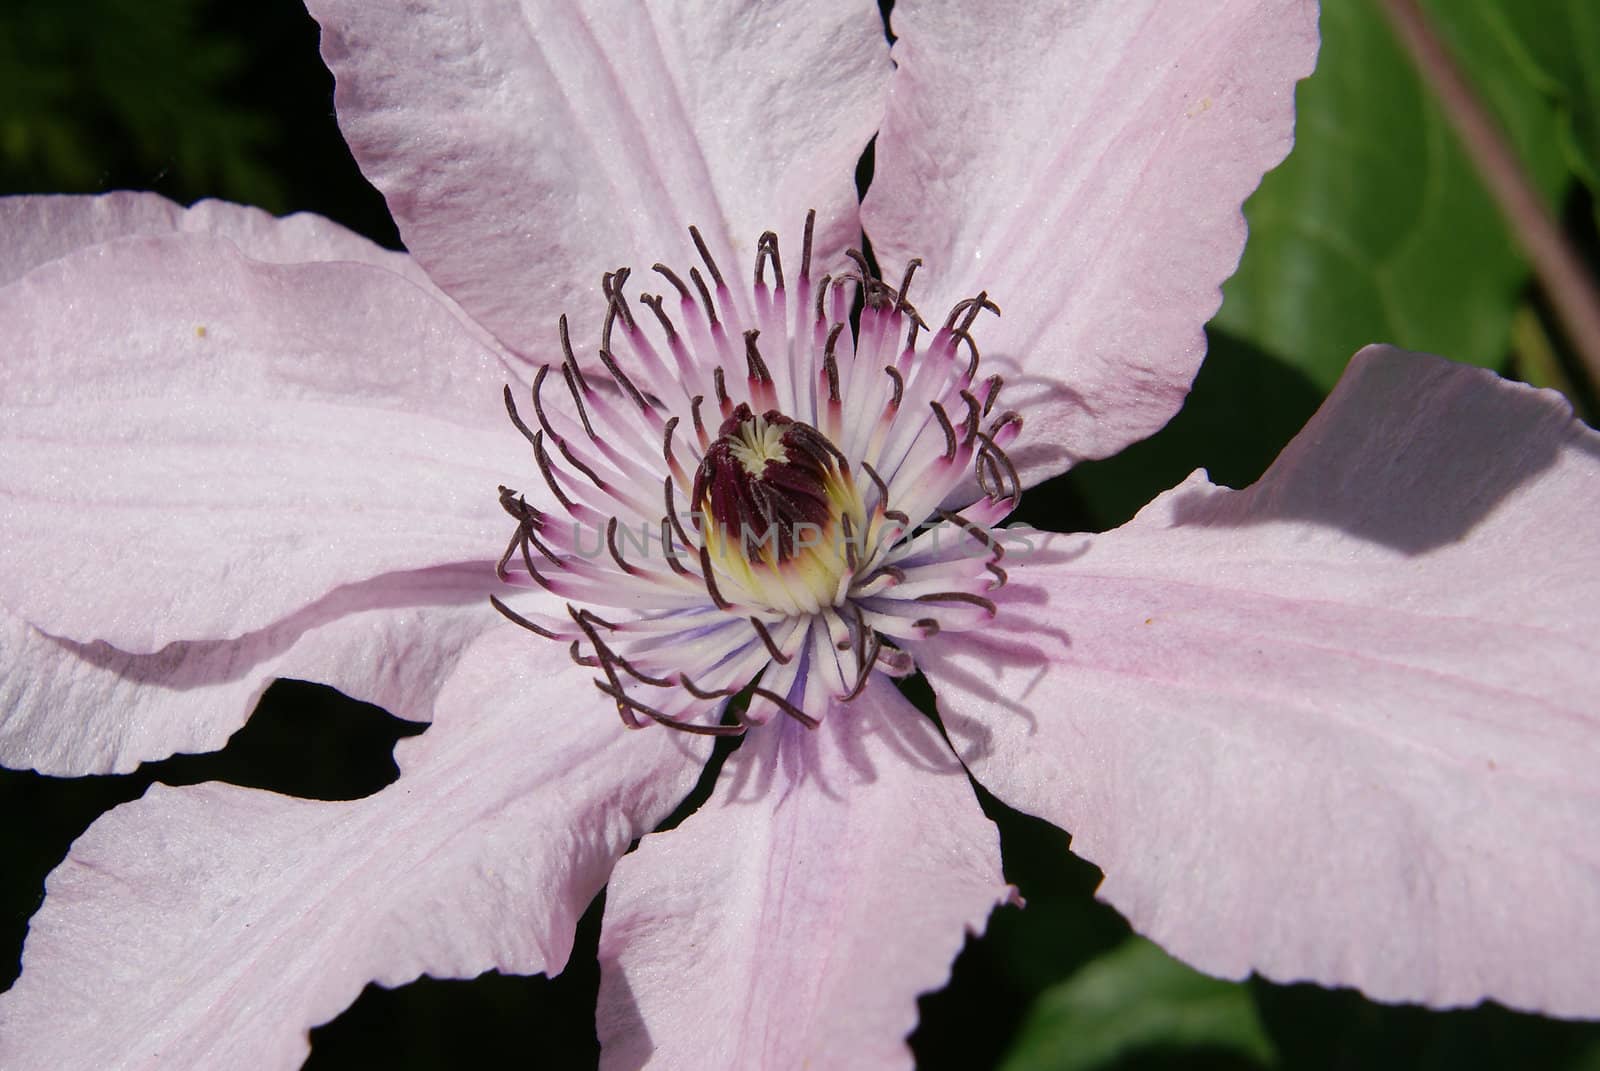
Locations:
(1559, 42)
(1376, 229)
(1137, 999)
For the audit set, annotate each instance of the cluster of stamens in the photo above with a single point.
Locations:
(749, 498)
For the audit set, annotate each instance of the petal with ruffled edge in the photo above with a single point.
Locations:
(211, 926)
(199, 444)
(1085, 166)
(69, 709)
(37, 229)
(794, 919)
(1339, 726)
(524, 149)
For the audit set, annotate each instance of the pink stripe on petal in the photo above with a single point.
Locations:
(1337, 727)
(212, 926)
(793, 920)
(1086, 168)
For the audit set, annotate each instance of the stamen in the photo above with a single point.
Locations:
(705, 255)
(522, 622)
(778, 463)
(655, 303)
(948, 429)
(757, 367)
(772, 648)
(767, 248)
(705, 297)
(570, 362)
(899, 386)
(672, 277)
(805, 249)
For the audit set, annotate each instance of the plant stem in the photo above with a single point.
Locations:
(1561, 271)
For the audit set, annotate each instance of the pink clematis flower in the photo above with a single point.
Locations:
(241, 448)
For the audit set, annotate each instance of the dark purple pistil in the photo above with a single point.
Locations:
(786, 506)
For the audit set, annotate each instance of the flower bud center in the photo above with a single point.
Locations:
(778, 508)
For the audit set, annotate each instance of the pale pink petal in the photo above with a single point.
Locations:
(524, 149)
(198, 444)
(211, 926)
(1085, 165)
(1339, 726)
(37, 229)
(793, 920)
(69, 709)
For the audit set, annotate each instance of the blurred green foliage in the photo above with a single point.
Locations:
(92, 91)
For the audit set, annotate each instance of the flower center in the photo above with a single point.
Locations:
(766, 519)
(778, 511)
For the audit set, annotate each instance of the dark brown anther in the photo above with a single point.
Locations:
(899, 385)
(623, 699)
(698, 692)
(970, 308)
(719, 383)
(522, 622)
(570, 374)
(573, 460)
(852, 557)
(538, 405)
(996, 550)
(960, 596)
(1010, 416)
(928, 625)
(877, 481)
(709, 575)
(655, 303)
(969, 426)
(611, 287)
(705, 255)
(999, 573)
(545, 470)
(757, 368)
(784, 705)
(822, 295)
(988, 472)
(670, 552)
(617, 374)
(995, 383)
(672, 516)
(699, 424)
(805, 248)
(666, 439)
(946, 427)
(616, 552)
(672, 277)
(575, 652)
(871, 288)
(766, 639)
(999, 457)
(893, 572)
(516, 417)
(957, 338)
(767, 249)
(905, 285)
(830, 363)
(705, 297)
(568, 360)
